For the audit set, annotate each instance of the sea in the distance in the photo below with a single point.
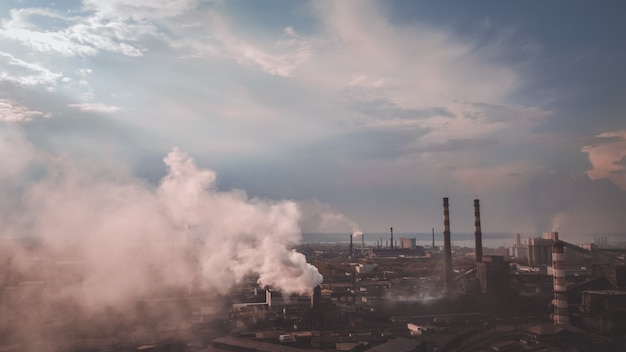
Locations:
(490, 240)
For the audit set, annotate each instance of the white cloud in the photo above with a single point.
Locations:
(140, 9)
(83, 72)
(279, 58)
(76, 36)
(607, 158)
(25, 73)
(94, 107)
(13, 112)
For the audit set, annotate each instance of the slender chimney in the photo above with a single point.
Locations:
(433, 237)
(478, 235)
(447, 249)
(561, 314)
(350, 250)
(391, 237)
(362, 243)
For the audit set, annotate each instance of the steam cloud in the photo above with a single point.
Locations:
(320, 217)
(132, 239)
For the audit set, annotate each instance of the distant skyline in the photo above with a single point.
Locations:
(365, 113)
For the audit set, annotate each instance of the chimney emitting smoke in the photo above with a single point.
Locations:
(561, 314)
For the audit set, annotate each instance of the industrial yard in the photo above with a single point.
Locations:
(545, 295)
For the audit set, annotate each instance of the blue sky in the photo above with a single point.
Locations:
(366, 113)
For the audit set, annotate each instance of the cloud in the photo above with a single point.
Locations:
(607, 158)
(75, 36)
(20, 72)
(12, 112)
(140, 9)
(94, 107)
(279, 58)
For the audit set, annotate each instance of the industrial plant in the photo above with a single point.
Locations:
(541, 294)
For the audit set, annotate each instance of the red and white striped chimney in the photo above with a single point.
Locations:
(447, 249)
(561, 314)
(478, 234)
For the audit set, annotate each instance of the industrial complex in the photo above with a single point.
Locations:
(542, 294)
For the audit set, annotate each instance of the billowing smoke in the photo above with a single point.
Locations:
(109, 239)
(135, 235)
(321, 218)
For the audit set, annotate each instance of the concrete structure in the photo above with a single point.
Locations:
(478, 235)
(407, 243)
(539, 251)
(561, 314)
(518, 251)
(447, 249)
(494, 276)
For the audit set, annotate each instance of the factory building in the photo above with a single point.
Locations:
(494, 275)
(615, 274)
(539, 251)
(604, 311)
(407, 243)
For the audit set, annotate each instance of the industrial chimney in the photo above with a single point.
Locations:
(391, 228)
(350, 251)
(561, 314)
(433, 238)
(447, 249)
(478, 235)
(362, 244)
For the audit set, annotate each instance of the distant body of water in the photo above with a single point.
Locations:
(491, 240)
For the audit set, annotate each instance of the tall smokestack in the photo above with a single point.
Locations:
(561, 314)
(362, 244)
(447, 249)
(350, 250)
(433, 237)
(391, 228)
(478, 235)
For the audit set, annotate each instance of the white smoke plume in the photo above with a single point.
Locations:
(320, 217)
(132, 239)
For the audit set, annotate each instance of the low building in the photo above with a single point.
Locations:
(604, 310)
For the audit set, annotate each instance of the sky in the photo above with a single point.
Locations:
(364, 113)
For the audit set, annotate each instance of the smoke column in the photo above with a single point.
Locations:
(134, 239)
